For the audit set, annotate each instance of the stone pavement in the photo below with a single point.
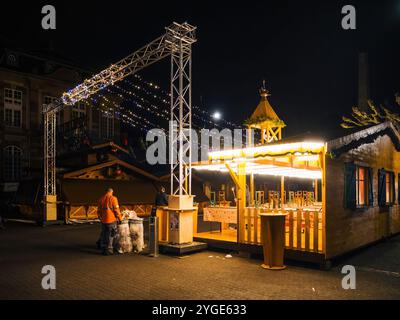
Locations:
(82, 273)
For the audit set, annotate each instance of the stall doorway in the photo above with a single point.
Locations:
(217, 223)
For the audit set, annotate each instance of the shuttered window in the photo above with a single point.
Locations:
(358, 189)
(350, 185)
(386, 188)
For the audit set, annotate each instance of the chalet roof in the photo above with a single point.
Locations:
(88, 191)
(264, 108)
(144, 174)
(109, 145)
(343, 144)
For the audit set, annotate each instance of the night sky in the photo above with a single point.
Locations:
(308, 61)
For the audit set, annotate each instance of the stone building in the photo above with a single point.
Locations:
(27, 81)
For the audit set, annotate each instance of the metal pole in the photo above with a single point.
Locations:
(153, 238)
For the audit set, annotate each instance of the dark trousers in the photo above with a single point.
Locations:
(108, 236)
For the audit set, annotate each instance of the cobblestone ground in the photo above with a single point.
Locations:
(82, 273)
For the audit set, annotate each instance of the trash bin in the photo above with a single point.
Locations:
(136, 232)
(273, 240)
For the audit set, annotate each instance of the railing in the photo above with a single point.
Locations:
(89, 212)
(304, 228)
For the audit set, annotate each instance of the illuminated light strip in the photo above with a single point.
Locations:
(265, 170)
(296, 147)
(295, 173)
(152, 85)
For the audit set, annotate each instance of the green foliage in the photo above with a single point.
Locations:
(261, 119)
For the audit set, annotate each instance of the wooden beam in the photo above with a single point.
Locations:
(251, 190)
(233, 175)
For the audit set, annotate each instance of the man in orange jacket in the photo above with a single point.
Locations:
(109, 214)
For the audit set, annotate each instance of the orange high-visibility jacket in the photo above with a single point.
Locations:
(108, 209)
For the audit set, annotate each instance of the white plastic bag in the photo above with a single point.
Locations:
(124, 239)
(137, 237)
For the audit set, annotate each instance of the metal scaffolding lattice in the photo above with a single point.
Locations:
(49, 155)
(181, 118)
(176, 42)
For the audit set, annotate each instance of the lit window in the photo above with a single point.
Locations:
(361, 187)
(389, 187)
(12, 107)
(386, 194)
(12, 163)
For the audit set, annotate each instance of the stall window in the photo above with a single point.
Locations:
(358, 189)
(361, 186)
(386, 190)
(398, 188)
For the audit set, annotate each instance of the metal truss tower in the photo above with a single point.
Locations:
(181, 114)
(176, 42)
(49, 155)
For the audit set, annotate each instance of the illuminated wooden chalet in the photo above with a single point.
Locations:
(339, 194)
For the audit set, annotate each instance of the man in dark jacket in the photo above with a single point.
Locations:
(160, 201)
(161, 198)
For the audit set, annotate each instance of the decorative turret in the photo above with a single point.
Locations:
(265, 119)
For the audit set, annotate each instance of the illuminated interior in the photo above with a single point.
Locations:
(273, 177)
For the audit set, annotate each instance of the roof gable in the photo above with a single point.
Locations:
(264, 108)
(79, 173)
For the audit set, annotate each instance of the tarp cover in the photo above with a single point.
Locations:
(87, 192)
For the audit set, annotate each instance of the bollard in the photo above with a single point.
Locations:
(153, 237)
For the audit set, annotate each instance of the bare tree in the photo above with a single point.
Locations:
(374, 115)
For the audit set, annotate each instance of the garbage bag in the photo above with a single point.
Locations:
(124, 244)
(129, 214)
(136, 231)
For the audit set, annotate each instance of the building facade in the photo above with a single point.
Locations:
(27, 81)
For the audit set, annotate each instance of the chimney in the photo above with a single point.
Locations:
(363, 81)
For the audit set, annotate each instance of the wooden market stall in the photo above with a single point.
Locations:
(271, 160)
(305, 222)
(337, 194)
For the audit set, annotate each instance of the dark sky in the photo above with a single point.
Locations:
(308, 61)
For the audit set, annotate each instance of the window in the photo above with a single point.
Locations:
(386, 188)
(389, 187)
(12, 163)
(361, 187)
(78, 110)
(12, 60)
(12, 107)
(107, 124)
(48, 99)
(358, 188)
